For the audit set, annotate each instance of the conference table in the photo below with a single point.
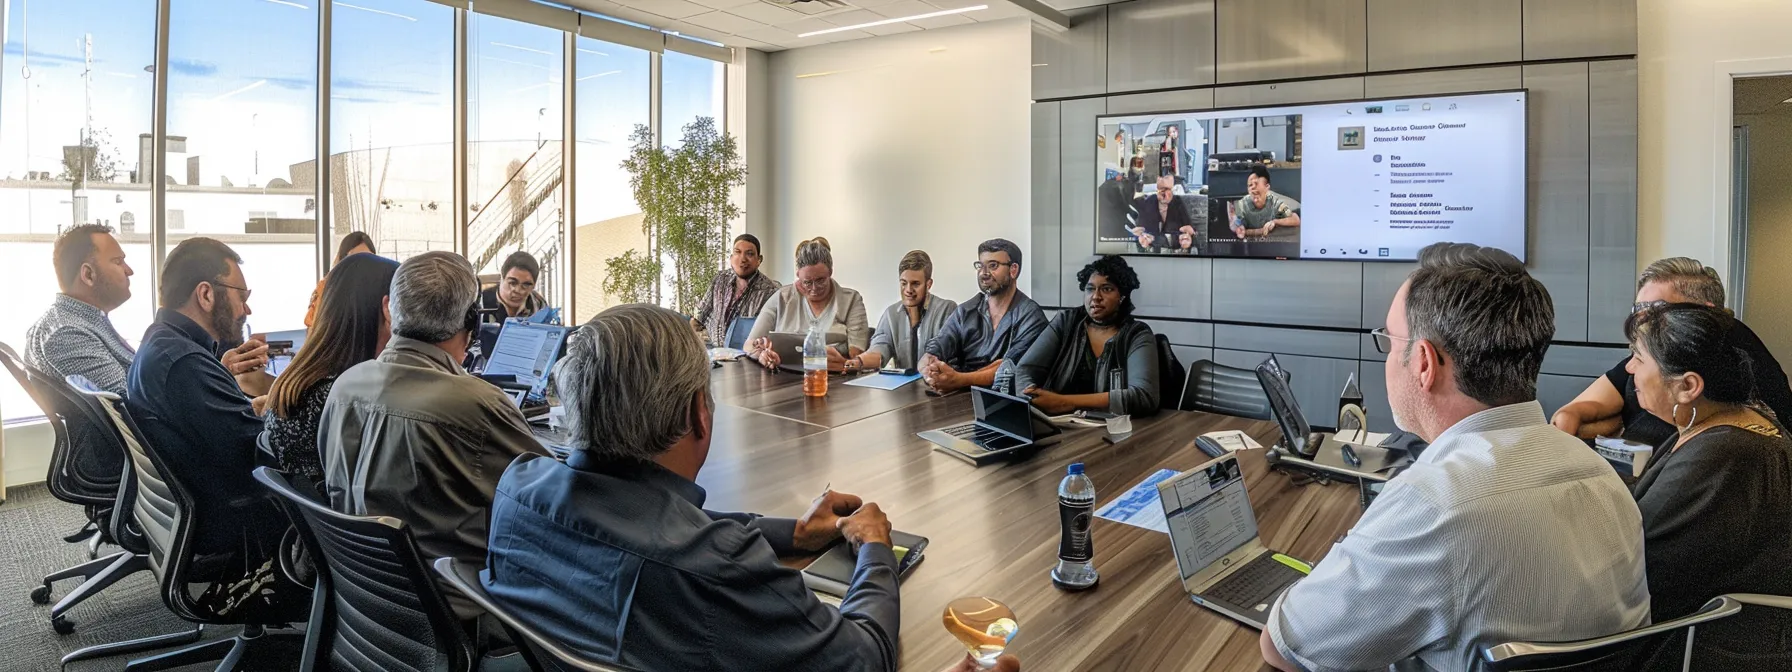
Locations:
(993, 530)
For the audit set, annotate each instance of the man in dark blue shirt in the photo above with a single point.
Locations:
(997, 324)
(190, 409)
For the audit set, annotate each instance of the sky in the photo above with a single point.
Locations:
(242, 85)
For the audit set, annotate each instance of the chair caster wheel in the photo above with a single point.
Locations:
(40, 595)
(62, 626)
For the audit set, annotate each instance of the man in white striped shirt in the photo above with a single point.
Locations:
(1504, 529)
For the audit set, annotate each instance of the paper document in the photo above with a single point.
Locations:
(726, 354)
(1361, 437)
(1139, 507)
(1234, 440)
(884, 381)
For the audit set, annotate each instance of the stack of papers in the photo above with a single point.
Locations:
(726, 354)
(1234, 440)
(1140, 506)
(884, 381)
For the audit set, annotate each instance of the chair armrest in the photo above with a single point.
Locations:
(1719, 607)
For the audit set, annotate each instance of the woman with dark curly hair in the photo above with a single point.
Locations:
(1096, 356)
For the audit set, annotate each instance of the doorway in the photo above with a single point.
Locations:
(1761, 209)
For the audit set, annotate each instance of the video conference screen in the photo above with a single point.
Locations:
(1365, 180)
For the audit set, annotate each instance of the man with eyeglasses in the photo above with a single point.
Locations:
(739, 290)
(996, 325)
(514, 295)
(1609, 406)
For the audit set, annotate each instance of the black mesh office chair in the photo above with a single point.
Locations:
(542, 651)
(376, 605)
(1216, 388)
(166, 515)
(84, 471)
(1622, 652)
(1171, 377)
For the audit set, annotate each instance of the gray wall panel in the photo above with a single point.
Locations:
(1611, 220)
(1466, 80)
(1160, 44)
(1336, 344)
(1380, 282)
(1554, 391)
(1170, 287)
(1580, 28)
(1316, 380)
(1076, 151)
(1045, 262)
(1072, 62)
(1579, 360)
(1286, 39)
(1557, 186)
(1373, 380)
(1185, 99)
(1325, 294)
(1183, 333)
(1322, 90)
(1408, 34)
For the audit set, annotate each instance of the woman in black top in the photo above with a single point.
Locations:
(351, 328)
(1716, 498)
(1096, 356)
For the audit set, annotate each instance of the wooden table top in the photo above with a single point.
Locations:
(994, 530)
(750, 386)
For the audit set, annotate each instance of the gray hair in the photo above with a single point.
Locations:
(813, 252)
(1692, 278)
(1479, 306)
(629, 381)
(431, 294)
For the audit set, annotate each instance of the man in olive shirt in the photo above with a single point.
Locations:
(410, 434)
(1261, 212)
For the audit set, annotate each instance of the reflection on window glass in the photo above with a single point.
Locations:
(692, 87)
(75, 96)
(515, 113)
(612, 90)
(242, 99)
(392, 124)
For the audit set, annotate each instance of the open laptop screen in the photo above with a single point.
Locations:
(1002, 412)
(1209, 514)
(526, 350)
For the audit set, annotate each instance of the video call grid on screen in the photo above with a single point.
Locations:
(1373, 180)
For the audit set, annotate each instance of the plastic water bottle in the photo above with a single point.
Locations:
(815, 361)
(1076, 544)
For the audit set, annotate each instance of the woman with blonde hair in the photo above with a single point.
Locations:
(814, 296)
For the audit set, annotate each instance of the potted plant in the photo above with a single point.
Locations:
(684, 196)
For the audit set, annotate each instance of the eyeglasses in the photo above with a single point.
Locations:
(1384, 341)
(991, 267)
(1641, 306)
(245, 290)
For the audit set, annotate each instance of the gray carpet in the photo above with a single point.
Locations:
(32, 525)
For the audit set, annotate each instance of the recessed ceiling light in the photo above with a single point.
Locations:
(886, 22)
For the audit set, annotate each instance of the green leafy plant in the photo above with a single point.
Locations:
(684, 194)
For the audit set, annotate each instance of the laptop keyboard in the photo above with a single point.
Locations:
(972, 432)
(1253, 584)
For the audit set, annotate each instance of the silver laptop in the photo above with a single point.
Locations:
(1003, 425)
(1220, 560)
(790, 348)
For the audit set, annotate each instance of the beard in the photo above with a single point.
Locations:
(993, 286)
(227, 325)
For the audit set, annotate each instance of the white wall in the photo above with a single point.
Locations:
(917, 140)
(1684, 115)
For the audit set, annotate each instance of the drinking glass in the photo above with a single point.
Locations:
(985, 626)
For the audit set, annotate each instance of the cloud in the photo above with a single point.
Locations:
(40, 58)
(352, 84)
(292, 83)
(191, 67)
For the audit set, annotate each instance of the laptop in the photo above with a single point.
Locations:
(1220, 560)
(1003, 425)
(789, 347)
(1321, 450)
(522, 358)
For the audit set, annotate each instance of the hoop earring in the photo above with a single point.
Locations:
(1694, 419)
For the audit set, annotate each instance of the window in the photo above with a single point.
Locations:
(392, 124)
(693, 87)
(612, 89)
(75, 96)
(242, 100)
(515, 113)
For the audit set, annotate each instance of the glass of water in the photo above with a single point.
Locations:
(985, 627)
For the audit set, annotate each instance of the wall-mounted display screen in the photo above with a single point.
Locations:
(1365, 180)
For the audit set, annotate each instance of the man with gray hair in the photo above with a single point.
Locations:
(1503, 529)
(613, 551)
(410, 434)
(1609, 407)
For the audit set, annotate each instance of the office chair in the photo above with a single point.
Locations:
(1171, 377)
(1624, 651)
(738, 328)
(1217, 388)
(165, 513)
(376, 605)
(540, 649)
(1757, 640)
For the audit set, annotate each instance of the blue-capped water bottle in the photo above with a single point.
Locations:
(1076, 543)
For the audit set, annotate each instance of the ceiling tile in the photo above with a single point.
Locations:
(946, 21)
(845, 36)
(768, 35)
(891, 29)
(807, 26)
(725, 22)
(724, 4)
(902, 8)
(767, 14)
(671, 9)
(852, 17)
(872, 4)
(813, 8)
